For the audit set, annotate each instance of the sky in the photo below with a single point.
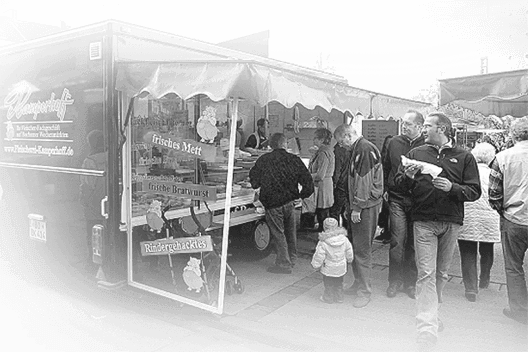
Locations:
(391, 47)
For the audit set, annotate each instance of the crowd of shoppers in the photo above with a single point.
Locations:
(440, 196)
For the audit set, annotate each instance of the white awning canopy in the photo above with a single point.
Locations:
(249, 80)
(500, 94)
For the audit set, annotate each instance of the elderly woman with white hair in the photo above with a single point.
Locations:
(480, 230)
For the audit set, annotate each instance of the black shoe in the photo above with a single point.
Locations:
(471, 296)
(327, 296)
(411, 292)
(523, 319)
(426, 341)
(384, 237)
(393, 289)
(279, 270)
(484, 283)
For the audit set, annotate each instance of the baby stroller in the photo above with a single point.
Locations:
(209, 262)
(196, 225)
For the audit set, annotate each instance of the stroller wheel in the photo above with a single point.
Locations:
(239, 288)
(229, 288)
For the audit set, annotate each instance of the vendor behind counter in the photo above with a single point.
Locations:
(259, 139)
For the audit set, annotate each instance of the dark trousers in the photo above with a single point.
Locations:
(468, 262)
(281, 222)
(402, 263)
(322, 214)
(514, 247)
(361, 235)
(339, 209)
(333, 288)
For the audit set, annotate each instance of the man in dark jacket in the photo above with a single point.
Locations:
(402, 266)
(278, 174)
(437, 211)
(340, 180)
(365, 192)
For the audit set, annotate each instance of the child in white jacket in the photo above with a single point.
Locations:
(332, 254)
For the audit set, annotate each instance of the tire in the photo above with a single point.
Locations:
(253, 241)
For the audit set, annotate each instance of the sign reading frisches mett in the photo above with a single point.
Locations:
(182, 190)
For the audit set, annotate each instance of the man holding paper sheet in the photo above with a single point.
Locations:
(437, 212)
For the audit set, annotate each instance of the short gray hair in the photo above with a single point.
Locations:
(278, 141)
(342, 129)
(483, 153)
(519, 129)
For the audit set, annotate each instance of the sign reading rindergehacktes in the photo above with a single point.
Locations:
(177, 246)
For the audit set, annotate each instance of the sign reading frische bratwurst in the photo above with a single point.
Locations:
(182, 190)
(177, 246)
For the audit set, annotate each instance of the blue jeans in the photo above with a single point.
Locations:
(514, 246)
(281, 222)
(402, 264)
(435, 243)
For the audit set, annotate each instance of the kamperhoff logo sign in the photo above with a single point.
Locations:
(18, 103)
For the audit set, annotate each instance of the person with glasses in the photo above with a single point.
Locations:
(365, 194)
(402, 266)
(437, 213)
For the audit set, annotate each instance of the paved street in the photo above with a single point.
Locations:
(73, 315)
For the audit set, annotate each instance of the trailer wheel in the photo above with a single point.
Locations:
(254, 241)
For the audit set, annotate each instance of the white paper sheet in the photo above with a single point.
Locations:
(427, 168)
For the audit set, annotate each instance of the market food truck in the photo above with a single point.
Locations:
(118, 149)
(144, 118)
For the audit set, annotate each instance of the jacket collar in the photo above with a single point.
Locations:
(448, 145)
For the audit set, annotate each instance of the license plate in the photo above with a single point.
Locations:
(37, 229)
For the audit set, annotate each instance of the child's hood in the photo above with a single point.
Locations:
(335, 237)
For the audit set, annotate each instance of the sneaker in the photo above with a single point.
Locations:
(393, 289)
(471, 296)
(279, 270)
(484, 283)
(411, 292)
(426, 342)
(361, 302)
(523, 319)
(322, 299)
(339, 295)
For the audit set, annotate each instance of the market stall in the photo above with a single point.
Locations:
(179, 107)
(167, 191)
(499, 94)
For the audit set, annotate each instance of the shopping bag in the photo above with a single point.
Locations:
(309, 204)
